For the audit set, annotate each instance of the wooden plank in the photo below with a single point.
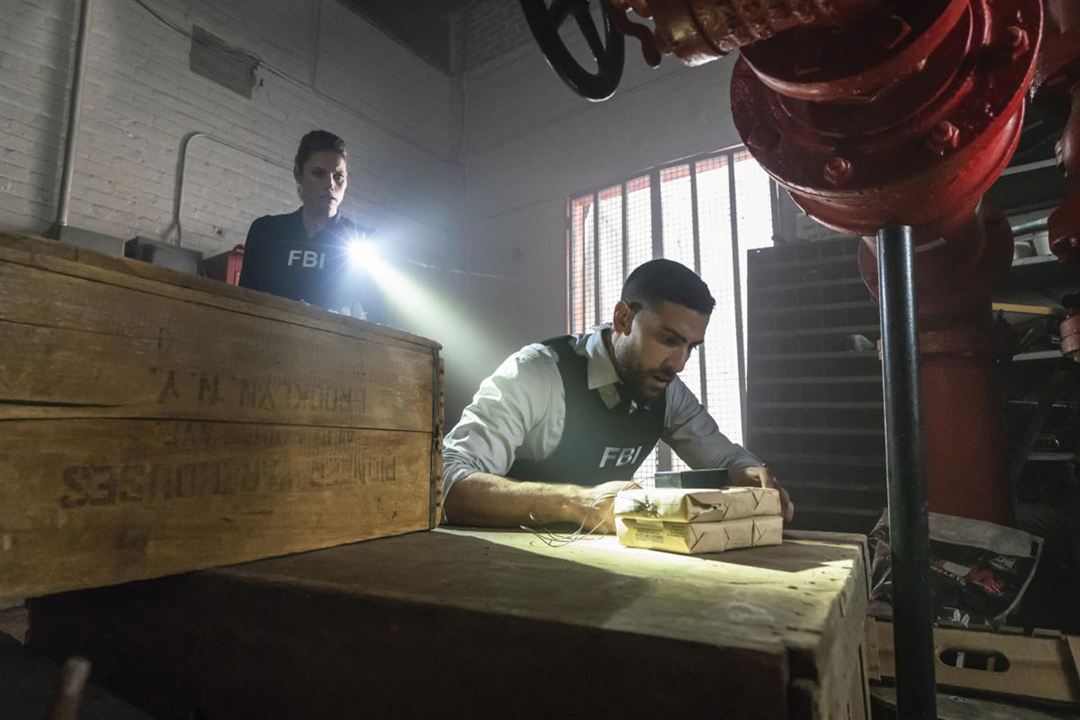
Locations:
(842, 663)
(1027, 309)
(1074, 651)
(117, 500)
(78, 262)
(76, 347)
(804, 700)
(1038, 667)
(437, 447)
(873, 660)
(13, 623)
(470, 623)
(809, 594)
(956, 707)
(837, 662)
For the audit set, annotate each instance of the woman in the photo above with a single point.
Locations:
(304, 255)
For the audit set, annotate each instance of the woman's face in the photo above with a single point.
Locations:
(322, 182)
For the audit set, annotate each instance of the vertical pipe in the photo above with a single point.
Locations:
(908, 522)
(74, 111)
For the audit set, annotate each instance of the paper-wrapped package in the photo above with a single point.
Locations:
(699, 537)
(697, 506)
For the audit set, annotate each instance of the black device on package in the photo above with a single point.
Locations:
(708, 478)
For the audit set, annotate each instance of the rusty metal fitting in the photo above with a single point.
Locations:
(1016, 41)
(640, 7)
(1070, 336)
(894, 31)
(944, 137)
(763, 139)
(838, 171)
(665, 41)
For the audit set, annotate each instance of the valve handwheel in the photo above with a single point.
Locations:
(608, 51)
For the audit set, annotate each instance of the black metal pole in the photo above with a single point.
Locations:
(913, 612)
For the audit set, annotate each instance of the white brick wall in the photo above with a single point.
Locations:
(498, 209)
(397, 113)
(490, 28)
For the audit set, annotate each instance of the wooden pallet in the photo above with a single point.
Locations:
(1044, 665)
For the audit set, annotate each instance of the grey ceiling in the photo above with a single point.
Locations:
(423, 26)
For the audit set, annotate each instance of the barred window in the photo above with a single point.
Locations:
(706, 213)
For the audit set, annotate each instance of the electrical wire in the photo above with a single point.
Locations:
(554, 539)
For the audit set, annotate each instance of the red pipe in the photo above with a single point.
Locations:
(875, 114)
(908, 119)
(963, 427)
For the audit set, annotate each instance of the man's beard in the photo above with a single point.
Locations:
(635, 377)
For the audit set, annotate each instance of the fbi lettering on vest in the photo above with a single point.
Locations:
(618, 456)
(307, 258)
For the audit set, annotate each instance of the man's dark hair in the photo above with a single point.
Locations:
(661, 280)
(317, 141)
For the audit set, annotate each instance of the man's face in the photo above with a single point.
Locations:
(322, 182)
(651, 346)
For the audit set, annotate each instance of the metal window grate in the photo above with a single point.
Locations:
(705, 212)
(610, 267)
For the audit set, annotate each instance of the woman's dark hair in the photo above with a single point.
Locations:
(659, 281)
(317, 141)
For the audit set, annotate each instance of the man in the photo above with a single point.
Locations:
(562, 425)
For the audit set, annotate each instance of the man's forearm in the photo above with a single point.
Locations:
(487, 500)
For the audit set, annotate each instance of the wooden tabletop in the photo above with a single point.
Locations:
(485, 623)
(784, 597)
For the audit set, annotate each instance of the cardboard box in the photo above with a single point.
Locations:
(697, 505)
(699, 537)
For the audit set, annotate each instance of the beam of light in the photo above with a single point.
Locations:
(457, 309)
(431, 302)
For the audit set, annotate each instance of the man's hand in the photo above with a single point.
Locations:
(596, 506)
(759, 476)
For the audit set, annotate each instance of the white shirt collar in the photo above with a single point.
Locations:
(601, 368)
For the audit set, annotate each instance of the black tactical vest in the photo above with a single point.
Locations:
(598, 444)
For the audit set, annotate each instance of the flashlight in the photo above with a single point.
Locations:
(361, 253)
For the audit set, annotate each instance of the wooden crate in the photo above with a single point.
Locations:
(477, 624)
(1045, 665)
(154, 423)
